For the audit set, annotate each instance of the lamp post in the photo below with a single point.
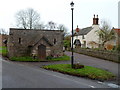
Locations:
(72, 57)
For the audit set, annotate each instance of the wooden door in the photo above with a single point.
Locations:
(42, 52)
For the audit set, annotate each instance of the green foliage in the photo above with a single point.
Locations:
(118, 48)
(66, 43)
(87, 71)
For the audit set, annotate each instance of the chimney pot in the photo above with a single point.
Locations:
(94, 15)
(97, 16)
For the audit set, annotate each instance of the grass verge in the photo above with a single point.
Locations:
(34, 60)
(3, 51)
(87, 71)
(23, 59)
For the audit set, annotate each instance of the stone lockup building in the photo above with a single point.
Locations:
(42, 43)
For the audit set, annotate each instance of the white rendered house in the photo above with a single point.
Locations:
(87, 37)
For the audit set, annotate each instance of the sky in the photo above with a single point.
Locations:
(59, 11)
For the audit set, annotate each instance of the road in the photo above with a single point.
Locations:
(95, 62)
(16, 75)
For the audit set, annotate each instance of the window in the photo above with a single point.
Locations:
(83, 37)
(19, 40)
(55, 41)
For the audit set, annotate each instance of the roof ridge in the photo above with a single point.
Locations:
(87, 27)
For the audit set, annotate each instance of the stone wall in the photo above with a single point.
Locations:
(20, 39)
(2, 39)
(107, 55)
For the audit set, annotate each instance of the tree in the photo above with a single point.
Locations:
(105, 33)
(93, 44)
(67, 42)
(39, 26)
(2, 31)
(62, 27)
(27, 19)
(51, 25)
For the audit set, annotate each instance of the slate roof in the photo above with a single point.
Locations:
(44, 38)
(84, 31)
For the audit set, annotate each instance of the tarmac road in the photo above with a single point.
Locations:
(16, 75)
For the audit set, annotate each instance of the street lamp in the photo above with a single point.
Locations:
(72, 57)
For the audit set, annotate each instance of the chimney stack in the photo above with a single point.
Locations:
(95, 20)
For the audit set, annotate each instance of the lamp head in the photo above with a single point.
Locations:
(72, 4)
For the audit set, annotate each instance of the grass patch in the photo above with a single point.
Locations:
(65, 57)
(3, 51)
(87, 71)
(23, 59)
(33, 60)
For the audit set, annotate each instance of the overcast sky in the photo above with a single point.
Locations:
(59, 11)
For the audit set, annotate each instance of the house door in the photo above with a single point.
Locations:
(42, 52)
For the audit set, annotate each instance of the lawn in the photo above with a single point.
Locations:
(87, 71)
(48, 58)
(23, 59)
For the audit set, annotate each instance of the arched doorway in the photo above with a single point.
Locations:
(77, 43)
(42, 52)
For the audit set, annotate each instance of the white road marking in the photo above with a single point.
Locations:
(100, 82)
(113, 85)
(92, 86)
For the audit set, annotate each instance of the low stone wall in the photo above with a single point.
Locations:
(107, 55)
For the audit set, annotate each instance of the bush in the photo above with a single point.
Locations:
(49, 57)
(118, 48)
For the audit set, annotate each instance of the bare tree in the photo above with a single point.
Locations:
(62, 27)
(39, 26)
(27, 19)
(105, 33)
(51, 25)
(2, 31)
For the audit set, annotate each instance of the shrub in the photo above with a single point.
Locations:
(49, 57)
(118, 48)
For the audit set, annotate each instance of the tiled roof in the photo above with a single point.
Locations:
(117, 30)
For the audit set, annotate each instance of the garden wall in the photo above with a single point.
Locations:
(107, 55)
